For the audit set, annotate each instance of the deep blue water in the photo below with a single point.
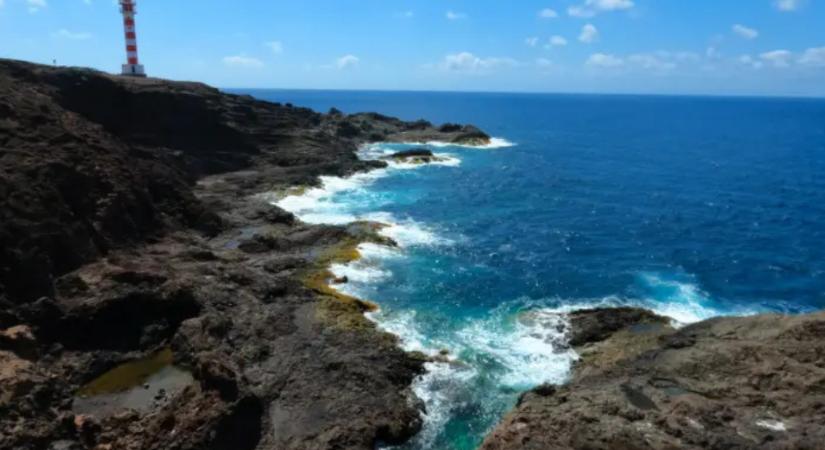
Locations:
(691, 206)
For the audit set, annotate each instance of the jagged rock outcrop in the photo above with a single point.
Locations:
(416, 156)
(726, 383)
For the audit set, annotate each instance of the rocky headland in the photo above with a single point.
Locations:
(151, 296)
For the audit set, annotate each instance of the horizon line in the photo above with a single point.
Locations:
(447, 91)
(559, 93)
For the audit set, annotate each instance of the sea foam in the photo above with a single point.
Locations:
(441, 389)
(495, 143)
(326, 204)
(682, 301)
(520, 344)
(500, 353)
(528, 349)
(383, 153)
(446, 383)
(318, 204)
(343, 200)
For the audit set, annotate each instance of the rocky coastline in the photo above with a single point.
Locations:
(132, 230)
(152, 298)
(725, 383)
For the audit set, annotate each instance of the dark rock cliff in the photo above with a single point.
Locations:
(130, 224)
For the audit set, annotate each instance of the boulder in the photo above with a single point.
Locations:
(415, 156)
(20, 340)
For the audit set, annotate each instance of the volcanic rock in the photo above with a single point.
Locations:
(726, 383)
(132, 219)
(415, 156)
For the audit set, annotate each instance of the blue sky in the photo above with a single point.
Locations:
(728, 47)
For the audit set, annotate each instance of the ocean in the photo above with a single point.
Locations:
(693, 207)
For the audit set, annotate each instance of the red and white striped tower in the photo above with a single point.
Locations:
(132, 67)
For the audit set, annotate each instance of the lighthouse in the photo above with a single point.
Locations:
(132, 68)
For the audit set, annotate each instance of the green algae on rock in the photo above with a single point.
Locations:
(141, 386)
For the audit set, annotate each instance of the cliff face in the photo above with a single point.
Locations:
(130, 225)
(91, 162)
(727, 383)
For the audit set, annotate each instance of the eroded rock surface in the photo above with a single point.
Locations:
(727, 383)
(131, 221)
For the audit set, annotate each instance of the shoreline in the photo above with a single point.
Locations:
(440, 367)
(127, 247)
(429, 357)
(209, 270)
(637, 335)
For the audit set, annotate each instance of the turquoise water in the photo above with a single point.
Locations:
(693, 207)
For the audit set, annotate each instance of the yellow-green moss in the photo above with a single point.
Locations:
(128, 375)
(295, 190)
(280, 193)
(336, 307)
(368, 231)
(371, 225)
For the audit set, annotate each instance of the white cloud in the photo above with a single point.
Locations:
(71, 35)
(611, 5)
(548, 13)
(36, 5)
(604, 60)
(557, 41)
(748, 60)
(276, 46)
(452, 15)
(813, 57)
(787, 5)
(406, 14)
(470, 63)
(1, 3)
(679, 57)
(777, 58)
(659, 62)
(531, 41)
(589, 34)
(745, 32)
(592, 7)
(580, 11)
(243, 61)
(346, 62)
(713, 53)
